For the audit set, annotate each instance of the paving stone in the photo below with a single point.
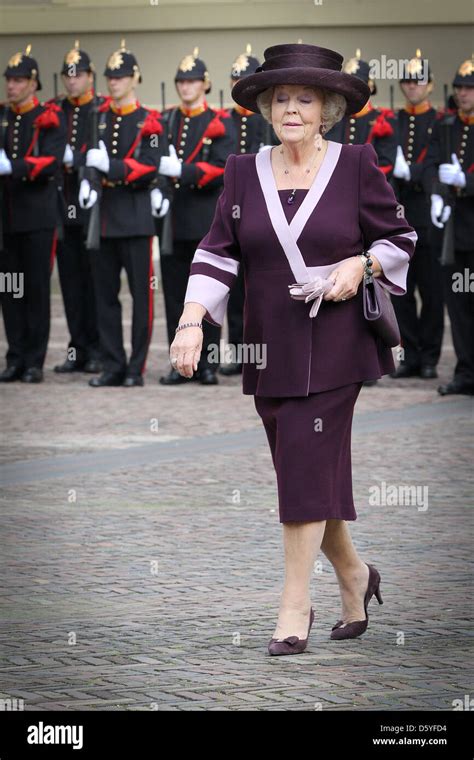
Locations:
(131, 578)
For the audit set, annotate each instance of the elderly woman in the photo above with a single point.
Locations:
(306, 211)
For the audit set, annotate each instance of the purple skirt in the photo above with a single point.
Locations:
(310, 442)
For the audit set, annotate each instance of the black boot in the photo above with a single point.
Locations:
(208, 376)
(428, 372)
(107, 379)
(93, 366)
(174, 378)
(405, 370)
(133, 381)
(32, 375)
(11, 373)
(70, 365)
(231, 369)
(455, 387)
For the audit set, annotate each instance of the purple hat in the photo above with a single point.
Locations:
(297, 63)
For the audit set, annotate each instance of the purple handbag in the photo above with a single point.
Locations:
(379, 311)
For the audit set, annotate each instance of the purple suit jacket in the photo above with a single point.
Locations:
(349, 208)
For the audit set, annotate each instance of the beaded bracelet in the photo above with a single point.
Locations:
(188, 324)
(367, 262)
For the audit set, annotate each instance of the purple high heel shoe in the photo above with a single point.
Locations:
(351, 630)
(292, 644)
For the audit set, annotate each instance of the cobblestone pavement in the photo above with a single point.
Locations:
(141, 558)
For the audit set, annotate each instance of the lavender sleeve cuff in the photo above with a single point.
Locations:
(394, 258)
(210, 293)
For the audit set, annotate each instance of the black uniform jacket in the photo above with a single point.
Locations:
(34, 138)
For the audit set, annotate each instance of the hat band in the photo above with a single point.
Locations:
(293, 61)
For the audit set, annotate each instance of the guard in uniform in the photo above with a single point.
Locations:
(251, 134)
(32, 143)
(74, 265)
(203, 138)
(370, 124)
(132, 141)
(421, 334)
(449, 177)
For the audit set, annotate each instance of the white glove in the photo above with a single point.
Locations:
(98, 158)
(438, 209)
(159, 205)
(68, 158)
(401, 170)
(170, 165)
(452, 174)
(5, 163)
(264, 147)
(87, 197)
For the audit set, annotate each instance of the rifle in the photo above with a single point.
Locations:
(447, 192)
(163, 99)
(166, 237)
(3, 127)
(92, 175)
(61, 203)
(392, 98)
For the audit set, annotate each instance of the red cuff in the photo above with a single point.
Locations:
(386, 169)
(36, 165)
(210, 172)
(137, 170)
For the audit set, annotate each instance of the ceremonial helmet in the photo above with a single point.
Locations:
(23, 65)
(122, 63)
(192, 67)
(361, 69)
(244, 64)
(76, 60)
(464, 76)
(416, 70)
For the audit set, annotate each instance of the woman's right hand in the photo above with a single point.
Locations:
(186, 348)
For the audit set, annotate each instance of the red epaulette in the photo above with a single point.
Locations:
(152, 124)
(48, 118)
(215, 128)
(381, 127)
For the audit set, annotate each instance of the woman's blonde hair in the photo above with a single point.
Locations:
(333, 110)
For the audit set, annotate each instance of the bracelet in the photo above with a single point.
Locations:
(367, 262)
(188, 324)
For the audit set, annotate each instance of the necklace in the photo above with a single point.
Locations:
(291, 197)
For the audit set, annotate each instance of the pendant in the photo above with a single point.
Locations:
(291, 197)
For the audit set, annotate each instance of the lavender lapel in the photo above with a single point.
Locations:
(288, 234)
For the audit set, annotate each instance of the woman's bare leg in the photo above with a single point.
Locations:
(302, 542)
(352, 573)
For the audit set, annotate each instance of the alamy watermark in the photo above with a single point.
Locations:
(12, 282)
(386, 495)
(242, 353)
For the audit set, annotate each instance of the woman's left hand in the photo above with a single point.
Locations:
(347, 278)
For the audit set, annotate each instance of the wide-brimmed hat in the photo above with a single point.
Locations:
(302, 64)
